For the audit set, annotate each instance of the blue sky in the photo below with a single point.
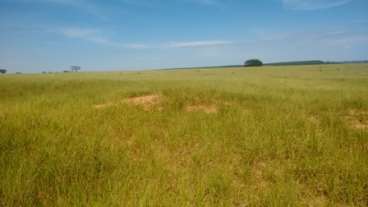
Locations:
(51, 35)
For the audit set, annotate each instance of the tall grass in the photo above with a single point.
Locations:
(280, 137)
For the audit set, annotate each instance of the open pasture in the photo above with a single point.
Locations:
(269, 136)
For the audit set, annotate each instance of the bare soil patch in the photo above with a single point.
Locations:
(208, 109)
(146, 101)
(357, 119)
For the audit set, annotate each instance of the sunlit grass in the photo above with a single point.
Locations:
(275, 136)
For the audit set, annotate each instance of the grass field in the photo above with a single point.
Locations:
(271, 136)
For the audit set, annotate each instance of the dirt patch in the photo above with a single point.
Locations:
(147, 102)
(104, 105)
(357, 119)
(208, 109)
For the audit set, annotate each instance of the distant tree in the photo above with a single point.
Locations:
(75, 68)
(253, 62)
(304, 62)
(3, 71)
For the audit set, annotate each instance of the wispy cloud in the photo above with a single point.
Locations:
(92, 5)
(156, 2)
(91, 35)
(193, 44)
(76, 32)
(345, 39)
(206, 2)
(327, 38)
(87, 6)
(136, 46)
(313, 4)
(67, 2)
(93, 8)
(96, 36)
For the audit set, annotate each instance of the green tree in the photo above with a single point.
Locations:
(253, 62)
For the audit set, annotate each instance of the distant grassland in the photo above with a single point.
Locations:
(271, 136)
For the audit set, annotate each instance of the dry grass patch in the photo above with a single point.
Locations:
(104, 105)
(208, 109)
(176, 160)
(314, 201)
(257, 172)
(314, 120)
(146, 101)
(357, 119)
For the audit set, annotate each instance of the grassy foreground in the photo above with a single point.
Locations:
(274, 136)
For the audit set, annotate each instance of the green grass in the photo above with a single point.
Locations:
(282, 136)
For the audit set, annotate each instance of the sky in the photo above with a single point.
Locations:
(51, 35)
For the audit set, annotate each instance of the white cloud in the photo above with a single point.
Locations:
(51, 1)
(72, 3)
(344, 39)
(206, 2)
(313, 4)
(91, 6)
(94, 36)
(136, 46)
(155, 2)
(87, 6)
(207, 43)
(76, 32)
(85, 34)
